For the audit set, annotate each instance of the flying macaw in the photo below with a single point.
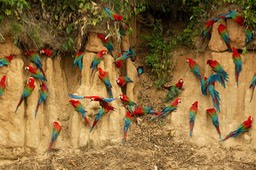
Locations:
(173, 90)
(194, 67)
(80, 109)
(126, 100)
(252, 85)
(215, 121)
(121, 59)
(168, 109)
(123, 80)
(221, 75)
(27, 91)
(113, 16)
(79, 60)
(43, 95)
(244, 127)
(192, 115)
(97, 59)
(249, 36)
(36, 73)
(127, 122)
(48, 52)
(2, 85)
(107, 43)
(35, 58)
(104, 102)
(238, 63)
(100, 113)
(5, 61)
(222, 29)
(236, 17)
(139, 111)
(103, 75)
(140, 70)
(55, 133)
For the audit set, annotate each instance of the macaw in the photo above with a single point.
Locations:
(214, 95)
(103, 75)
(100, 113)
(192, 115)
(55, 133)
(6, 60)
(126, 100)
(236, 17)
(178, 85)
(107, 43)
(79, 60)
(2, 85)
(131, 54)
(238, 63)
(139, 111)
(194, 67)
(121, 59)
(35, 58)
(80, 109)
(252, 85)
(221, 75)
(43, 95)
(208, 28)
(249, 36)
(140, 70)
(173, 90)
(104, 102)
(203, 85)
(27, 91)
(36, 73)
(97, 59)
(124, 27)
(244, 127)
(222, 29)
(48, 52)
(113, 16)
(168, 109)
(127, 122)
(214, 116)
(122, 80)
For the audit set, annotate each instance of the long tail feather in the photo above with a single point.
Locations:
(75, 96)
(87, 121)
(109, 90)
(218, 130)
(124, 139)
(191, 128)
(50, 146)
(19, 104)
(94, 123)
(37, 106)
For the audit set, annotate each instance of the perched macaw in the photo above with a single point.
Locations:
(208, 28)
(168, 109)
(131, 54)
(48, 52)
(97, 59)
(178, 85)
(36, 73)
(121, 59)
(127, 122)
(100, 113)
(203, 85)
(215, 121)
(5, 61)
(214, 95)
(103, 75)
(2, 85)
(43, 95)
(113, 16)
(124, 27)
(55, 133)
(35, 58)
(140, 70)
(192, 115)
(80, 109)
(221, 75)
(104, 102)
(222, 29)
(252, 85)
(238, 63)
(27, 91)
(126, 100)
(139, 111)
(244, 127)
(194, 67)
(236, 17)
(107, 43)
(79, 60)
(123, 80)
(173, 90)
(249, 36)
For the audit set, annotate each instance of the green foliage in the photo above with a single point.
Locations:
(13, 7)
(172, 93)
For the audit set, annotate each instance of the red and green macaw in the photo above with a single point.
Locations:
(168, 109)
(140, 111)
(252, 85)
(107, 43)
(127, 122)
(214, 95)
(192, 115)
(238, 63)
(97, 59)
(215, 121)
(36, 73)
(35, 58)
(126, 100)
(79, 60)
(244, 127)
(222, 29)
(249, 36)
(55, 133)
(178, 85)
(208, 28)
(30, 85)
(123, 80)
(48, 52)
(113, 16)
(221, 75)
(174, 90)
(80, 109)
(2, 85)
(235, 16)
(121, 59)
(140, 70)
(104, 102)
(194, 67)
(6, 60)
(131, 54)
(103, 75)
(43, 92)
(100, 113)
